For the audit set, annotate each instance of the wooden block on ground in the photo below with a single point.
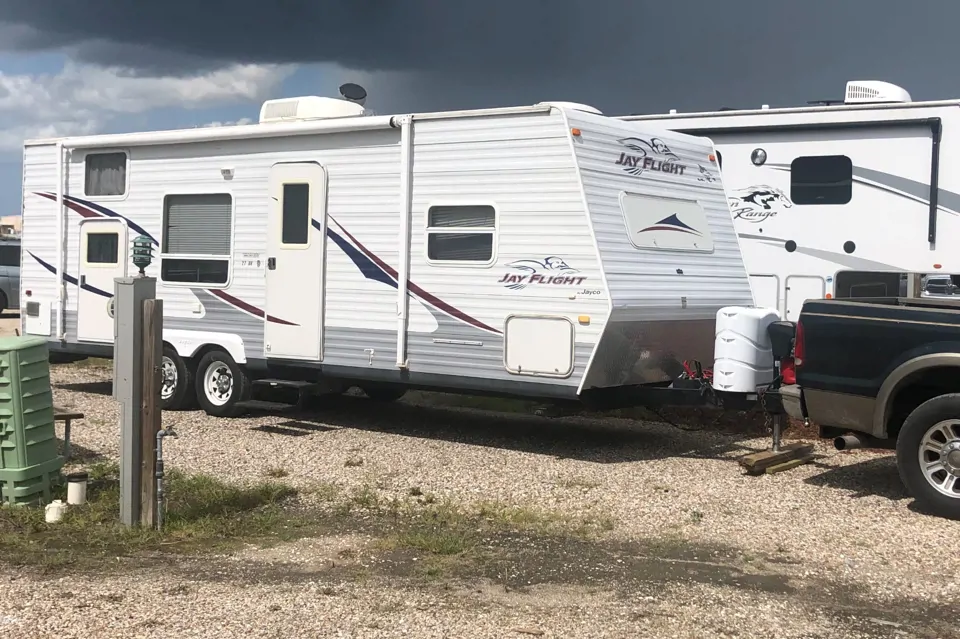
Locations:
(793, 463)
(757, 463)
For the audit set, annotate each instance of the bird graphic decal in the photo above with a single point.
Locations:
(553, 265)
(648, 148)
(705, 175)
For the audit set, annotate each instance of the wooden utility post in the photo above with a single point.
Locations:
(150, 421)
(137, 348)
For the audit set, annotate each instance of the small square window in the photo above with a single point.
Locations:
(821, 179)
(106, 174)
(103, 248)
(461, 233)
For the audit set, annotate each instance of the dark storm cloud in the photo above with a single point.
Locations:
(621, 55)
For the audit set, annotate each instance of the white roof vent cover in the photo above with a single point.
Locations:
(874, 92)
(309, 107)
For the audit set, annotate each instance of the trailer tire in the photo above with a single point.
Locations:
(931, 433)
(221, 384)
(383, 392)
(178, 390)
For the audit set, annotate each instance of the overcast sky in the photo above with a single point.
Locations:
(90, 66)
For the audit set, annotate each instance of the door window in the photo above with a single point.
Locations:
(103, 248)
(296, 214)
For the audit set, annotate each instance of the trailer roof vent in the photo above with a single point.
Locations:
(309, 107)
(874, 92)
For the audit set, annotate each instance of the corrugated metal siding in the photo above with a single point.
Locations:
(521, 163)
(644, 283)
(39, 232)
(524, 167)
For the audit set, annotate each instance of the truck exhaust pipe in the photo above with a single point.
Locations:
(847, 442)
(853, 442)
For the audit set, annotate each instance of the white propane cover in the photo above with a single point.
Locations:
(743, 354)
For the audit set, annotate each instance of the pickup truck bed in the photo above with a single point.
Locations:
(888, 369)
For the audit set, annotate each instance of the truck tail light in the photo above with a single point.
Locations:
(798, 347)
(788, 371)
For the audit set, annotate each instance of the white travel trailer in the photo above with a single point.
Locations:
(837, 200)
(544, 251)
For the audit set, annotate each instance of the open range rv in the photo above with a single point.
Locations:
(838, 200)
(544, 251)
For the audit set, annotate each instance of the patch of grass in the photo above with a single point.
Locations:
(94, 362)
(448, 530)
(202, 512)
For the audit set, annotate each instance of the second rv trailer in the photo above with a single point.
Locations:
(838, 200)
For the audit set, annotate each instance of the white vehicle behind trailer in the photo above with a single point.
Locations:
(838, 200)
(543, 251)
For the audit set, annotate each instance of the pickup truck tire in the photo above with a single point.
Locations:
(928, 455)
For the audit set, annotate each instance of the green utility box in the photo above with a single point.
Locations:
(29, 463)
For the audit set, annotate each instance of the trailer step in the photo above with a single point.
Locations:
(287, 383)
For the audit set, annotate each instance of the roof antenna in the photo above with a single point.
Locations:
(353, 93)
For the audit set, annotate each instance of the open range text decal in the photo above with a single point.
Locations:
(648, 155)
(553, 271)
(757, 203)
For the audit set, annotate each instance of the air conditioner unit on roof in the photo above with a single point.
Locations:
(874, 92)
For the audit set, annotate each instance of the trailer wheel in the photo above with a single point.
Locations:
(928, 455)
(177, 388)
(383, 392)
(221, 384)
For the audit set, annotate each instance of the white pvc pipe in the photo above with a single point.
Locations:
(61, 254)
(406, 210)
(76, 492)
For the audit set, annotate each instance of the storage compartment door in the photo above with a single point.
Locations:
(799, 289)
(766, 291)
(538, 345)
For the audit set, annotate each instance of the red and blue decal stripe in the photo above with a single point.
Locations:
(374, 268)
(368, 263)
(91, 210)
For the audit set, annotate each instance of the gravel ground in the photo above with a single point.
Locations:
(830, 549)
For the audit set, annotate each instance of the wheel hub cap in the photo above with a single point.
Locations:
(218, 380)
(169, 378)
(950, 456)
(940, 457)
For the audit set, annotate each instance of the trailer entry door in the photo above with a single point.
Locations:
(295, 275)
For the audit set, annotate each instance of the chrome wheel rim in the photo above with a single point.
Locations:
(940, 457)
(168, 385)
(218, 383)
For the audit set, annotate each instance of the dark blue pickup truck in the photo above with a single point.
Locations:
(885, 373)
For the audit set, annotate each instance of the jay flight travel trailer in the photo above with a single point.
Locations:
(543, 251)
(838, 200)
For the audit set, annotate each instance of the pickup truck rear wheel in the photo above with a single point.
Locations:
(928, 455)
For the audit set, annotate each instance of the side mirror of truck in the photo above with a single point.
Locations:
(781, 338)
